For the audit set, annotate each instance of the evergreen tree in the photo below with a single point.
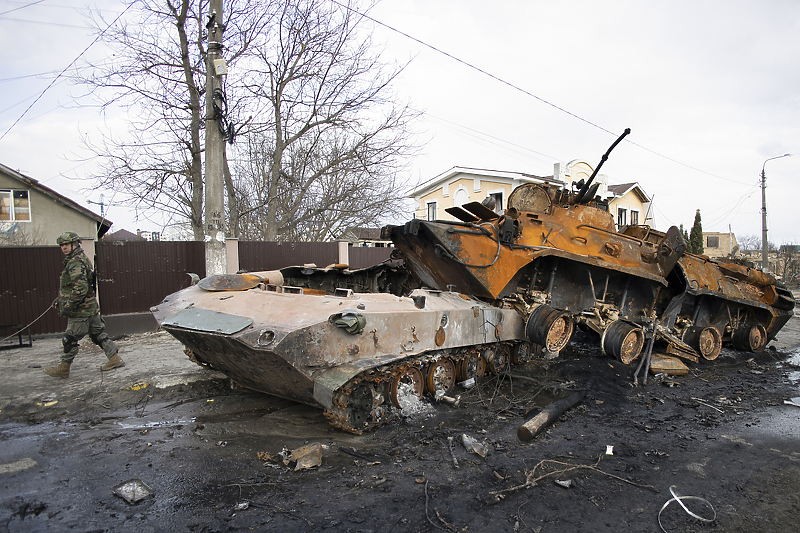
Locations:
(684, 234)
(696, 236)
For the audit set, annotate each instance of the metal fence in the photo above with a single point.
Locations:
(133, 276)
(29, 280)
(362, 257)
(255, 256)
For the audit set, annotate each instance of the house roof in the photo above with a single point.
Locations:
(103, 224)
(624, 188)
(445, 176)
(123, 235)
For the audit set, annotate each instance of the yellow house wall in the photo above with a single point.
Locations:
(630, 202)
(445, 195)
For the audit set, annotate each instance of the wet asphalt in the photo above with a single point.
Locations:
(179, 431)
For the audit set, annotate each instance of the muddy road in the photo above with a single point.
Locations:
(721, 433)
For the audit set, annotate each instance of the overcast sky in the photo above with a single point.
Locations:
(710, 90)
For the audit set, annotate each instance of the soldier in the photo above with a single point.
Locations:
(77, 302)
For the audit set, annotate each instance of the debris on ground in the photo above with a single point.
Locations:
(679, 499)
(450, 447)
(471, 444)
(671, 366)
(133, 491)
(306, 457)
(548, 415)
(549, 467)
(303, 458)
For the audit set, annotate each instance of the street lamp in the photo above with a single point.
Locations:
(764, 258)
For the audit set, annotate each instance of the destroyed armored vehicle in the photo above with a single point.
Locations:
(466, 298)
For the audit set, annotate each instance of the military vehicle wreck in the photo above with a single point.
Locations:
(466, 298)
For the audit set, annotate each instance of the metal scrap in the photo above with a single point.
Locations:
(471, 444)
(676, 498)
(133, 491)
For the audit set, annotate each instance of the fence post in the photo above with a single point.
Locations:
(232, 255)
(344, 252)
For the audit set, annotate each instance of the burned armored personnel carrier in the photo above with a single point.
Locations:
(461, 299)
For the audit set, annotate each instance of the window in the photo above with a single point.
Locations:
(634, 218)
(712, 242)
(14, 205)
(498, 201)
(622, 217)
(431, 210)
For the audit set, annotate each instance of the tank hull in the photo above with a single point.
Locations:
(286, 342)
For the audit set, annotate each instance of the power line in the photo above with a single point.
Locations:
(473, 67)
(488, 139)
(528, 93)
(65, 69)
(24, 76)
(21, 7)
(45, 23)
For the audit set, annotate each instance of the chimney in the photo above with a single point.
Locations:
(559, 171)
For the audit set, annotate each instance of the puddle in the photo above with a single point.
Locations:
(794, 362)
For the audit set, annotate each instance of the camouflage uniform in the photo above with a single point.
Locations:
(77, 301)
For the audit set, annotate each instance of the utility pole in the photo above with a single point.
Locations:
(764, 247)
(214, 224)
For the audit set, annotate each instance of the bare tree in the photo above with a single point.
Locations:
(787, 264)
(753, 243)
(328, 153)
(157, 75)
(749, 242)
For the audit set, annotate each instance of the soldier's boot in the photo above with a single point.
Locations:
(115, 362)
(60, 371)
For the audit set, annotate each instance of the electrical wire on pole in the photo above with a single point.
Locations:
(214, 223)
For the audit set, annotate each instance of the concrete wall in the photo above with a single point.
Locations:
(727, 244)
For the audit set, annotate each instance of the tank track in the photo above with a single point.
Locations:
(364, 403)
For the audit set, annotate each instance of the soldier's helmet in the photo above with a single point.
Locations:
(68, 237)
